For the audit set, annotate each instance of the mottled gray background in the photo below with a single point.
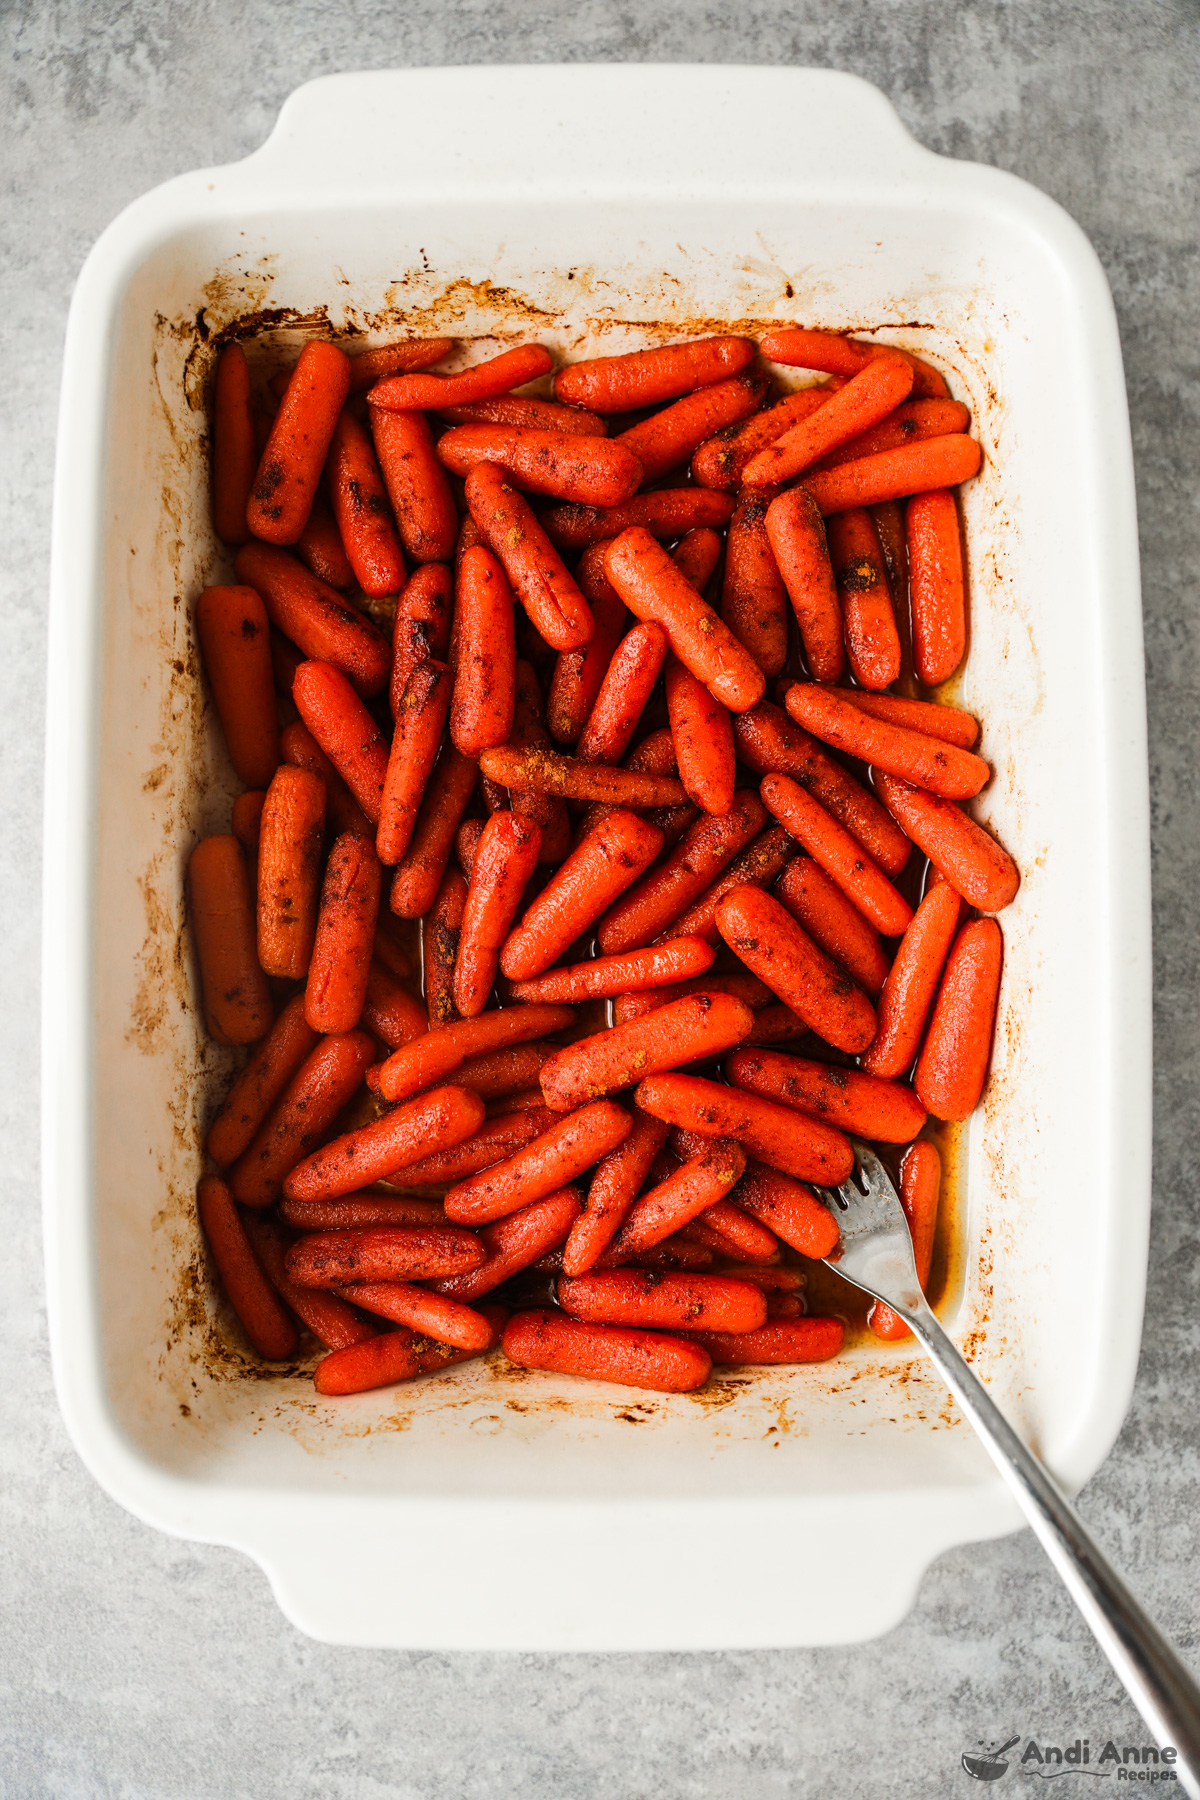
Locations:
(139, 1668)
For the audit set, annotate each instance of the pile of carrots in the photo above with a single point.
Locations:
(651, 731)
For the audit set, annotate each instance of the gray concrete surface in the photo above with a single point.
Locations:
(144, 1669)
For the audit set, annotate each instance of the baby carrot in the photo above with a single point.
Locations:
(734, 1234)
(556, 608)
(336, 1259)
(423, 864)
(640, 1359)
(935, 573)
(529, 737)
(594, 471)
(911, 423)
(502, 1075)
(345, 731)
(282, 496)
(668, 438)
(953, 1063)
(417, 484)
(776, 1024)
(362, 510)
(379, 1151)
(545, 772)
(446, 1321)
(675, 1200)
(788, 1208)
(759, 865)
(350, 1211)
(439, 1053)
(498, 375)
(778, 1341)
(697, 556)
(688, 1030)
(381, 360)
(341, 958)
(640, 1297)
(674, 960)
(742, 985)
(332, 1322)
(441, 930)
(908, 992)
(553, 1159)
(665, 513)
(721, 462)
(390, 1012)
(948, 723)
(870, 395)
(485, 676)
(767, 939)
(621, 700)
(394, 1356)
(654, 589)
(674, 1253)
(272, 1063)
(519, 409)
(579, 673)
(301, 1116)
(235, 453)
(301, 750)
(505, 860)
(234, 634)
(868, 622)
(702, 734)
(773, 1134)
(607, 861)
(513, 1243)
(862, 1105)
(321, 550)
(971, 860)
(920, 1182)
(237, 1000)
(754, 599)
(262, 1313)
(614, 384)
(797, 539)
(422, 625)
(496, 1139)
(289, 871)
(834, 922)
(835, 851)
(801, 348)
(659, 899)
(245, 820)
(315, 617)
(937, 463)
(415, 743)
(614, 1187)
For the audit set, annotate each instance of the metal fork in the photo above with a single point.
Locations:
(876, 1254)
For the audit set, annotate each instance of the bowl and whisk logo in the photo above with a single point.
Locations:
(1141, 1763)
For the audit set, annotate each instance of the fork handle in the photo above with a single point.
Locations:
(1157, 1681)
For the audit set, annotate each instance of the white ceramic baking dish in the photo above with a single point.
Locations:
(603, 206)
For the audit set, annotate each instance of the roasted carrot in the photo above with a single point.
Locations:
(417, 485)
(382, 360)
(553, 1159)
(688, 1030)
(939, 615)
(742, 985)
(908, 992)
(888, 516)
(341, 958)
(496, 1139)
(614, 384)
(466, 842)
(920, 1184)
(938, 463)
(663, 895)
(237, 1000)
(668, 438)
(395, 1356)
(282, 495)
(498, 375)
(235, 453)
(948, 723)
(613, 1189)
(674, 960)
(289, 870)
(834, 922)
(674, 1253)
(300, 749)
(638, 1297)
(316, 617)
(503, 864)
(362, 509)
(421, 868)
(654, 589)
(868, 621)
(271, 1066)
(703, 738)
(788, 1208)
(519, 409)
(415, 743)
(422, 624)
(502, 1075)
(350, 1211)
(778, 1341)
(333, 1322)
(775, 1024)
(665, 513)
(641, 1359)
(767, 939)
(245, 820)
(539, 577)
(626, 687)
(337, 1259)
(594, 471)
(753, 595)
(799, 1146)
(545, 772)
(797, 539)
(759, 864)
(379, 1151)
(911, 423)
(953, 1064)
(971, 860)
(441, 929)
(721, 462)
(262, 1313)
(608, 860)
(734, 1234)
(301, 1116)
(842, 859)
(345, 730)
(390, 1012)
(679, 1197)
(801, 348)
(579, 673)
(321, 550)
(481, 711)
(878, 387)
(862, 1105)
(234, 634)
(513, 1243)
(923, 761)
(439, 1053)
(443, 1320)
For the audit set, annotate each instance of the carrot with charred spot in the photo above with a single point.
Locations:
(345, 730)
(362, 509)
(289, 871)
(237, 1000)
(767, 939)
(504, 861)
(441, 929)
(721, 462)
(321, 550)
(665, 513)
(754, 598)
(860, 1104)
(415, 743)
(315, 617)
(797, 538)
(378, 1151)
(787, 1208)
(513, 1243)
(520, 410)
(417, 485)
(742, 985)
(663, 1302)
(688, 1030)
(301, 1116)
(421, 630)
(341, 960)
(234, 633)
(868, 621)
(595, 471)
(539, 577)
(286, 482)
(613, 1190)
(337, 1259)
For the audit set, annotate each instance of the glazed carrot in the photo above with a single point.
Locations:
(801, 348)
(774, 1280)
(703, 738)
(640, 1359)
(332, 1322)
(921, 760)
(773, 1134)
(369, 366)
(321, 550)
(937, 463)
(263, 1317)
(529, 1099)
(466, 842)
(520, 410)
(501, 1075)
(776, 1024)
(350, 1211)
(579, 673)
(612, 1192)
(668, 438)
(948, 723)
(390, 1012)
(835, 851)
(697, 554)
(498, 375)
(485, 674)
(680, 1197)
(496, 1139)
(513, 1243)
(245, 820)
(613, 384)
(768, 741)
(503, 864)
(563, 1151)
(315, 617)
(939, 615)
(659, 899)
(362, 509)
(753, 595)
(638, 1297)
(417, 484)
(420, 870)
(674, 960)
(972, 861)
(797, 539)
(545, 810)
(834, 922)
(920, 1183)
(556, 608)
(666, 513)
(441, 929)
(953, 1064)
(594, 471)
(301, 1116)
(742, 985)
(345, 731)
(234, 633)
(605, 863)
(759, 864)
(862, 1105)
(394, 1356)
(290, 468)
(654, 589)
(911, 423)
(688, 1030)
(300, 749)
(879, 386)
(419, 722)
(788, 1208)
(235, 453)
(912, 981)
(624, 691)
(336, 1259)
(422, 626)
(439, 1053)
(443, 1320)
(868, 622)
(379, 1151)
(237, 1000)
(341, 958)
(767, 939)
(721, 462)
(545, 772)
(289, 871)
(271, 1066)
(674, 1253)
(735, 1234)
(778, 1341)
